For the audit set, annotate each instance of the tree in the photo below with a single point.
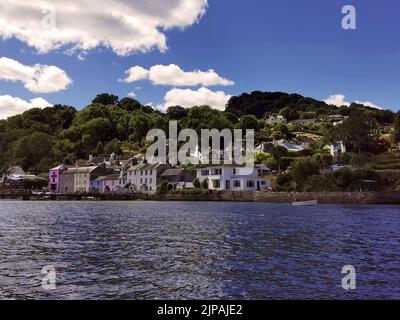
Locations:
(105, 99)
(343, 178)
(262, 158)
(356, 130)
(283, 183)
(129, 104)
(302, 169)
(278, 152)
(396, 132)
(162, 187)
(196, 183)
(176, 112)
(248, 122)
(29, 151)
(204, 184)
(290, 114)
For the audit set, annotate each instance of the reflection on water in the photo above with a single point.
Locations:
(187, 250)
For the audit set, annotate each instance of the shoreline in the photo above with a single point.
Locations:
(357, 198)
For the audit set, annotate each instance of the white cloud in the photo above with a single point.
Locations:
(131, 94)
(340, 100)
(188, 98)
(38, 78)
(370, 104)
(126, 26)
(173, 75)
(337, 100)
(11, 106)
(135, 74)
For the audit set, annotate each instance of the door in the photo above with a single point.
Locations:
(228, 185)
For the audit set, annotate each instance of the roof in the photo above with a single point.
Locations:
(43, 175)
(15, 169)
(172, 172)
(145, 166)
(115, 176)
(99, 179)
(80, 170)
(57, 168)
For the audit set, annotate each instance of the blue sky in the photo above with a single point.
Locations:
(286, 45)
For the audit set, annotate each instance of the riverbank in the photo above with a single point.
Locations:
(390, 198)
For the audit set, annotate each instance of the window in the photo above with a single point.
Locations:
(146, 172)
(205, 172)
(263, 183)
(250, 184)
(151, 180)
(151, 172)
(145, 181)
(141, 172)
(216, 172)
(141, 181)
(134, 173)
(237, 184)
(216, 184)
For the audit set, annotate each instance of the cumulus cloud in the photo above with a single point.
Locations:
(125, 26)
(188, 98)
(131, 94)
(337, 100)
(370, 104)
(340, 100)
(38, 78)
(173, 75)
(11, 106)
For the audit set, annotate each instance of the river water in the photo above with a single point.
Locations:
(197, 250)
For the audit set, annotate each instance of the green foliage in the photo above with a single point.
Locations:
(396, 132)
(278, 152)
(105, 99)
(283, 183)
(204, 184)
(290, 114)
(162, 188)
(319, 183)
(262, 158)
(343, 178)
(196, 183)
(302, 169)
(356, 131)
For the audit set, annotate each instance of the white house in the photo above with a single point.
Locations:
(236, 178)
(275, 119)
(146, 177)
(336, 149)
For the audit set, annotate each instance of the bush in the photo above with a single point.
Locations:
(283, 183)
(302, 170)
(162, 187)
(343, 178)
(196, 183)
(204, 184)
(319, 184)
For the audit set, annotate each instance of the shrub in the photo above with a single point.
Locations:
(196, 183)
(343, 178)
(162, 187)
(302, 170)
(319, 184)
(283, 183)
(204, 184)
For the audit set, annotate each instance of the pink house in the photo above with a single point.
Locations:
(54, 178)
(113, 182)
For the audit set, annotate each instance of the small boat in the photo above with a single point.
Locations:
(305, 203)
